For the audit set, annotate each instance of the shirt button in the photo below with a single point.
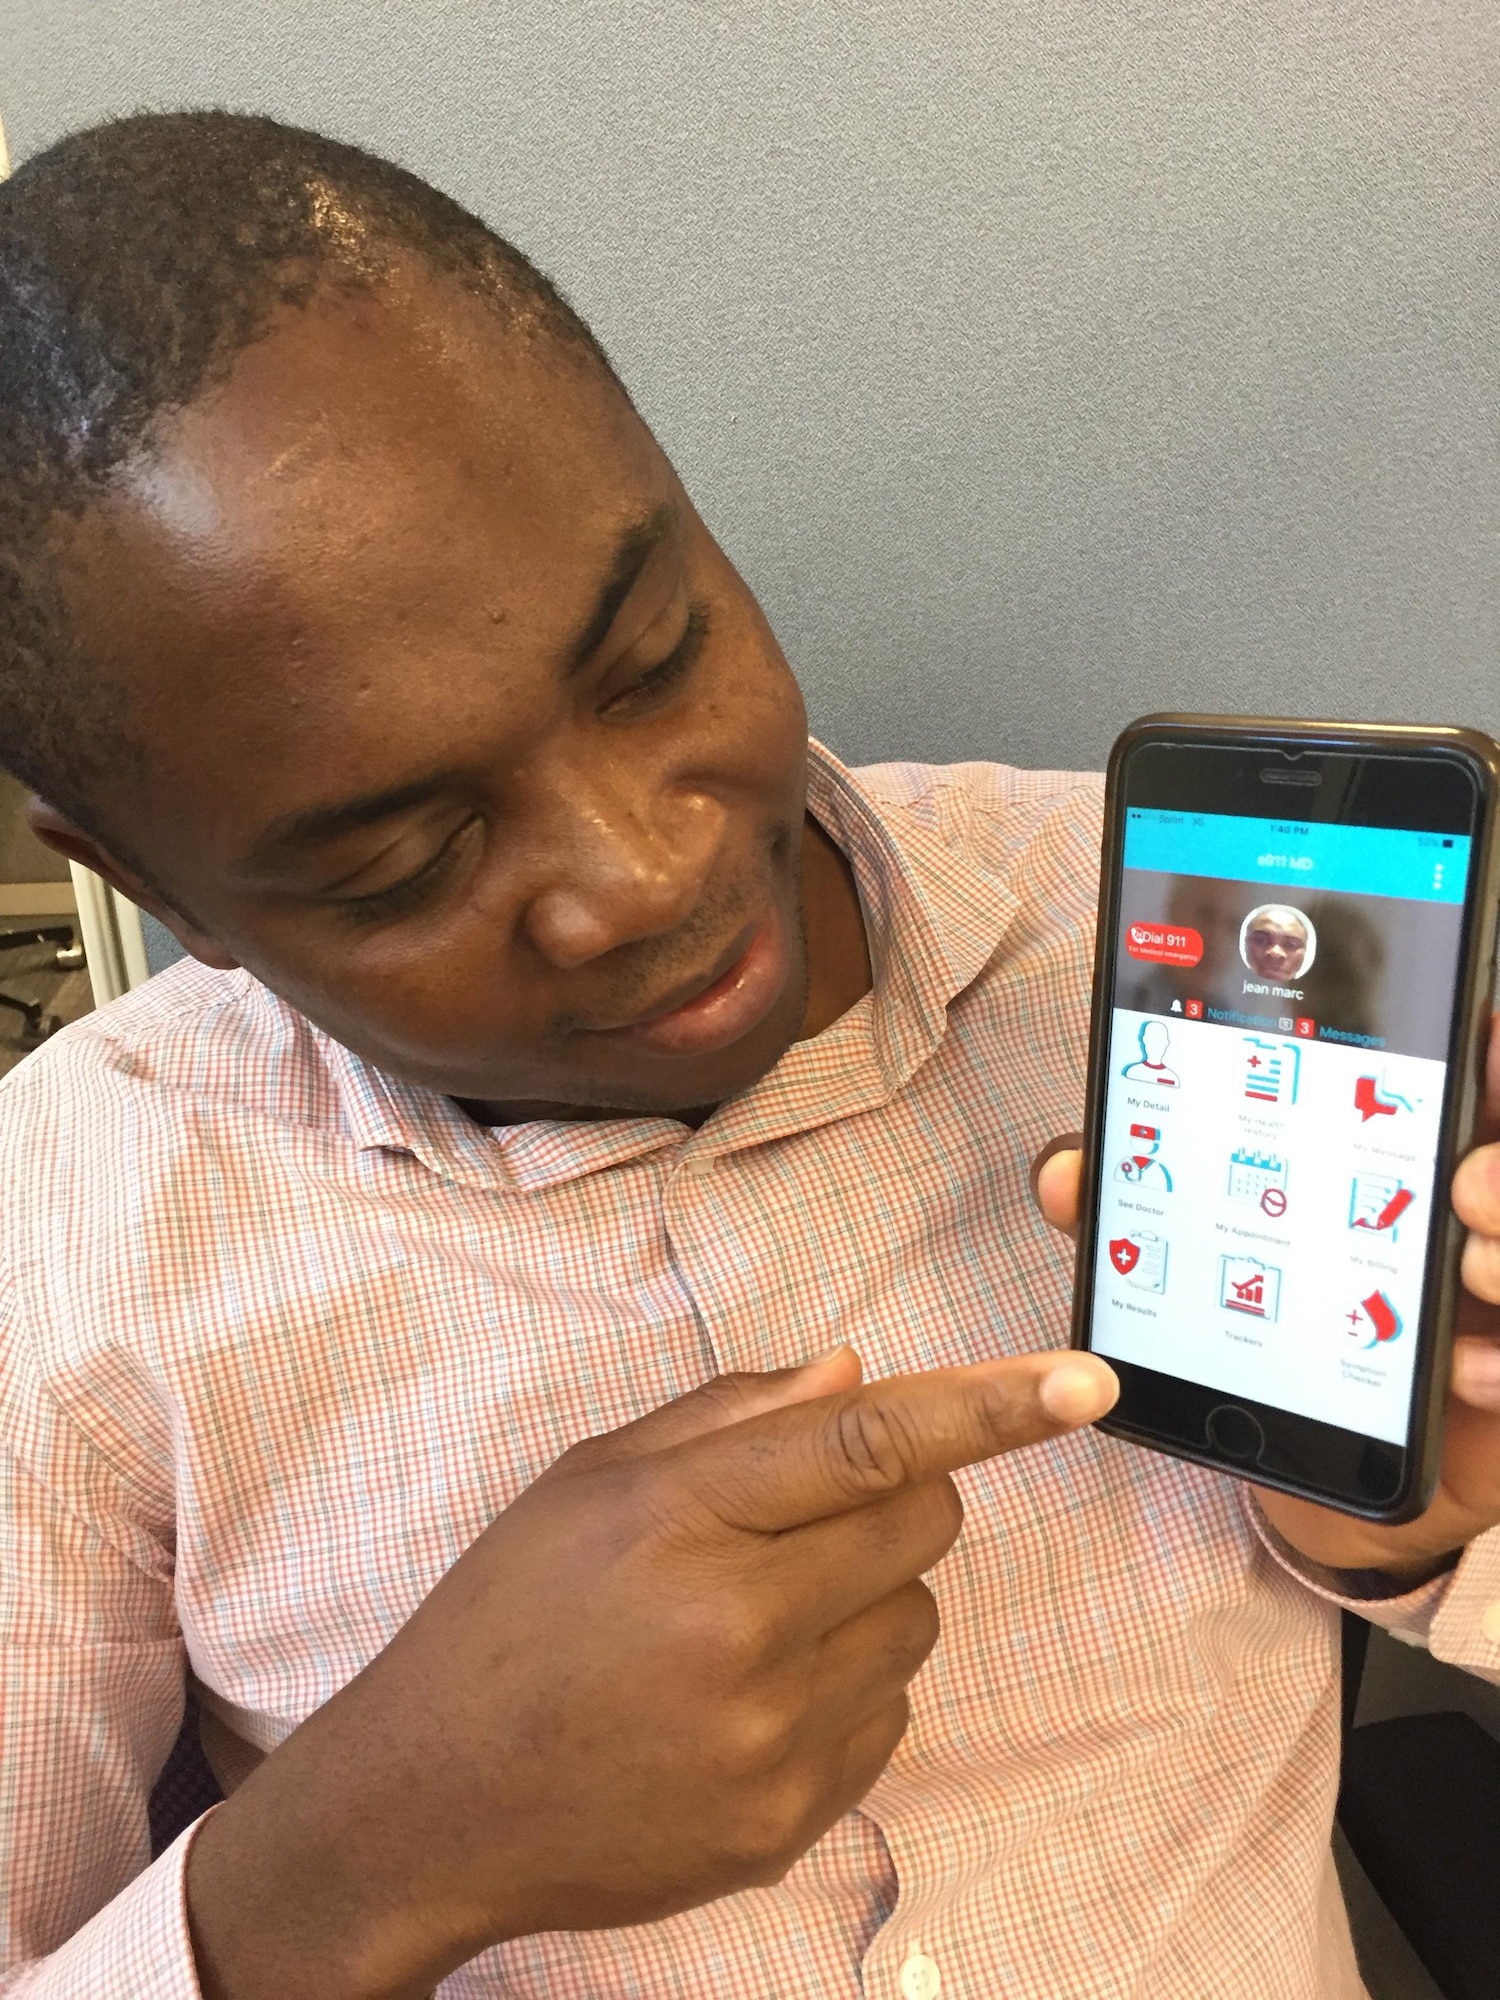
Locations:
(696, 1165)
(1489, 1624)
(920, 1978)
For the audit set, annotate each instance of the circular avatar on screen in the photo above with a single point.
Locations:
(1278, 942)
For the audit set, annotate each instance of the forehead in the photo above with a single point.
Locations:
(392, 504)
(1276, 919)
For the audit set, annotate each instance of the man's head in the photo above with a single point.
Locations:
(1274, 943)
(351, 617)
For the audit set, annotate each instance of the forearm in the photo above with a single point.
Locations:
(313, 1881)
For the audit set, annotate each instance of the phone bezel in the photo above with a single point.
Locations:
(1303, 1442)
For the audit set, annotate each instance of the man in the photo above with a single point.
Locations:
(1274, 942)
(563, 1035)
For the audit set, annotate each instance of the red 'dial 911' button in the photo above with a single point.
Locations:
(1164, 944)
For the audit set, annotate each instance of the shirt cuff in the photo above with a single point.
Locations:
(1456, 1614)
(138, 1947)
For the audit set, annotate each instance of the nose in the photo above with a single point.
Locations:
(621, 867)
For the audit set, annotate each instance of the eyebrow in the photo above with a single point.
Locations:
(632, 553)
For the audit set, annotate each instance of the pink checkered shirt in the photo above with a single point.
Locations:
(282, 1334)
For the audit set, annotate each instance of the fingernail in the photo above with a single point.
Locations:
(1078, 1390)
(815, 1360)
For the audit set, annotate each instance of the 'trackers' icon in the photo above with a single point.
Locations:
(1246, 1285)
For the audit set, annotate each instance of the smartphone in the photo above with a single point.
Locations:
(1292, 998)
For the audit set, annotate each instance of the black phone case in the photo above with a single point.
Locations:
(1463, 1096)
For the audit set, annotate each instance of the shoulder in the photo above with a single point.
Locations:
(190, 1035)
(113, 1121)
(1038, 832)
(973, 800)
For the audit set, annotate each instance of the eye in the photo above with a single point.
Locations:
(412, 890)
(658, 681)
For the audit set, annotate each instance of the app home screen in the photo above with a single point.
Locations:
(1282, 1004)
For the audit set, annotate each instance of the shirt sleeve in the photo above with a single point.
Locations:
(91, 1699)
(1456, 1616)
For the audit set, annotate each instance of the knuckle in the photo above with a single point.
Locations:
(580, 1457)
(911, 1628)
(875, 1449)
(742, 1634)
(1481, 1267)
(727, 1393)
(877, 1745)
(947, 1510)
(754, 1737)
(924, 1624)
(1476, 1195)
(771, 1832)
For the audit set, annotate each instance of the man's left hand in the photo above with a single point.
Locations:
(1467, 1502)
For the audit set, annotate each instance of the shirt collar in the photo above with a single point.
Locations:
(934, 915)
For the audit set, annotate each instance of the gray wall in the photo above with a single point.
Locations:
(1040, 363)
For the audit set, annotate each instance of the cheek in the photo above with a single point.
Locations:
(754, 708)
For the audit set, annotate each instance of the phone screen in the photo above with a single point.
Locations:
(1281, 1018)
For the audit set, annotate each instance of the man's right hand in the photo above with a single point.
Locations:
(655, 1679)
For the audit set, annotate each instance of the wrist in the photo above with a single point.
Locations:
(1409, 1576)
(286, 1903)
(1406, 1556)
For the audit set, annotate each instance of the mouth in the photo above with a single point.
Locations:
(716, 1009)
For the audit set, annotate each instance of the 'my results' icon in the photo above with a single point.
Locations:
(1141, 1260)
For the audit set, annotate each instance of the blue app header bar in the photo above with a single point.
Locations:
(1360, 860)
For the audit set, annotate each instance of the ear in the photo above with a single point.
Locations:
(56, 831)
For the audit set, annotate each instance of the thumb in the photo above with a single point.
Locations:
(728, 1399)
(1056, 1179)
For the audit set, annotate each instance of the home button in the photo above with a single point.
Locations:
(1234, 1433)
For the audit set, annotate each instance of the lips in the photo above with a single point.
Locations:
(714, 1015)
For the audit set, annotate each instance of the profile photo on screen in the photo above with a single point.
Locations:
(1278, 942)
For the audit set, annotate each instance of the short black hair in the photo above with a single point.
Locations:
(137, 259)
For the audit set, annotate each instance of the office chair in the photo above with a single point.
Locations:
(1419, 1804)
(38, 1024)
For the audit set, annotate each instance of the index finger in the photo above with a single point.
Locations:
(813, 1460)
